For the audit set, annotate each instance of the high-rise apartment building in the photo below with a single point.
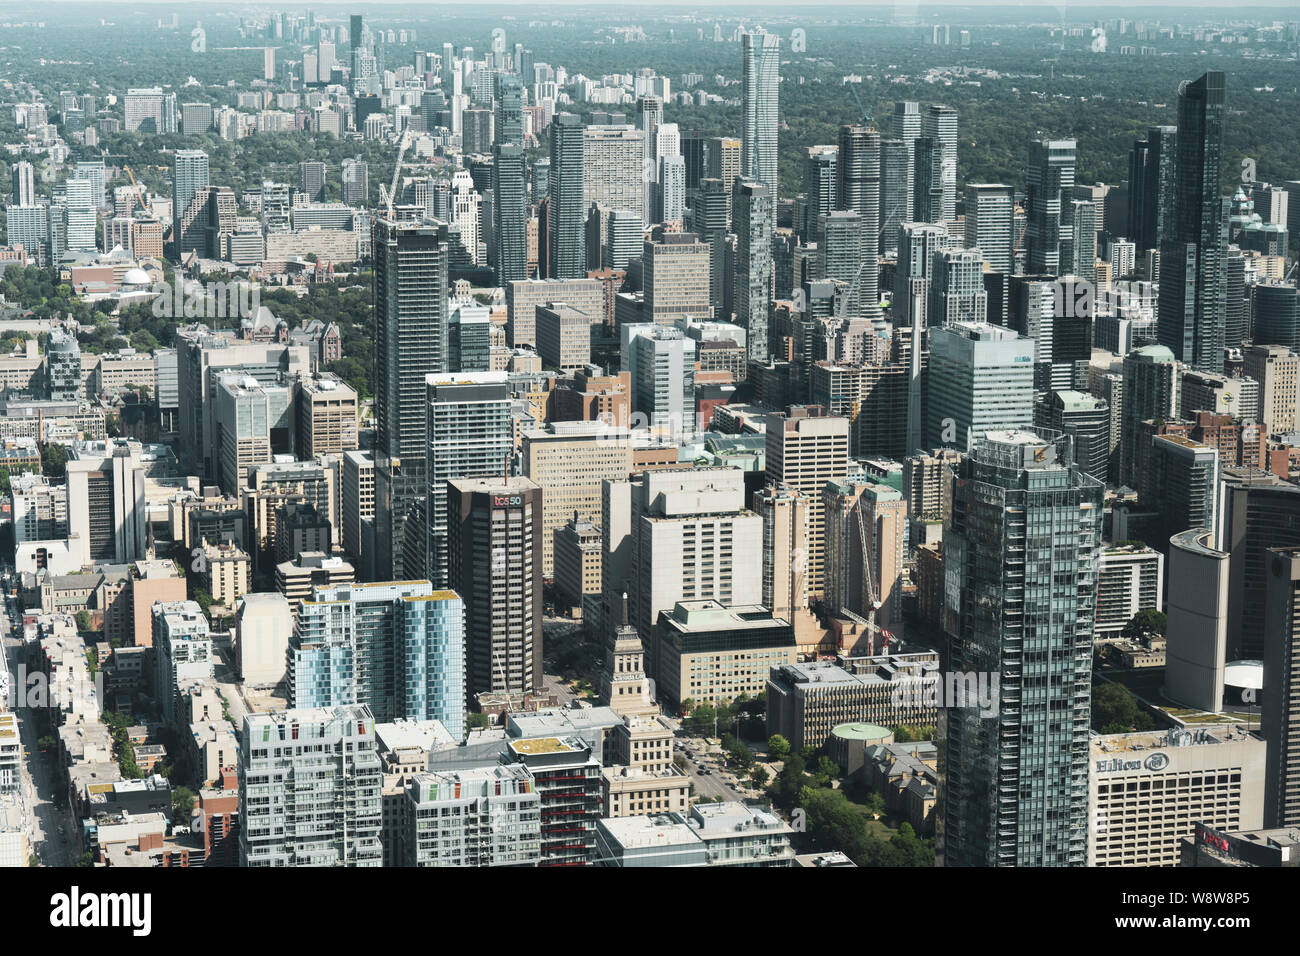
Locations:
(1151, 185)
(567, 210)
(990, 218)
(310, 789)
(1281, 717)
(939, 124)
(760, 83)
(1049, 185)
(675, 275)
(396, 647)
(753, 212)
(189, 178)
(1020, 555)
(510, 213)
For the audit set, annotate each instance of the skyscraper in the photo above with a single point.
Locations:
(411, 343)
(1049, 183)
(23, 175)
(940, 124)
(905, 125)
(753, 215)
(1151, 187)
(709, 217)
(1281, 717)
(990, 215)
(311, 179)
(760, 79)
(981, 377)
(189, 176)
(470, 436)
(495, 549)
(821, 185)
(1193, 301)
(1020, 555)
(859, 191)
(510, 213)
(895, 192)
(568, 251)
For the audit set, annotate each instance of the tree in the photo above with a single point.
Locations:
(778, 748)
(54, 461)
(1115, 710)
(84, 623)
(758, 776)
(182, 805)
(1144, 624)
(478, 721)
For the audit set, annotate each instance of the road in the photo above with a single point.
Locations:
(43, 819)
(714, 784)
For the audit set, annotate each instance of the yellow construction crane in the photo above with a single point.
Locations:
(144, 196)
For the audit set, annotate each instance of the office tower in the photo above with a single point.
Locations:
(564, 336)
(480, 816)
(753, 218)
(189, 177)
(1277, 370)
(1259, 511)
(1086, 420)
(1049, 312)
(613, 170)
(980, 378)
(310, 789)
(311, 180)
(805, 449)
(396, 647)
(476, 131)
(495, 564)
(839, 240)
(785, 549)
(661, 362)
(326, 419)
(1130, 579)
(149, 111)
(723, 162)
(23, 177)
(918, 243)
(1017, 778)
(957, 291)
(1281, 717)
(649, 116)
(939, 124)
(1197, 624)
(356, 182)
(63, 367)
(254, 422)
(470, 436)
(510, 209)
(411, 343)
(760, 80)
(1151, 185)
(990, 216)
(1275, 308)
(624, 235)
(524, 296)
(675, 276)
(1152, 382)
(711, 214)
(568, 253)
(1193, 302)
(1179, 479)
(895, 192)
(357, 509)
(568, 460)
(469, 338)
(671, 192)
(106, 501)
(678, 535)
(1049, 184)
(858, 191)
(326, 63)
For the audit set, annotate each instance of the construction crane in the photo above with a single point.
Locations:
(144, 196)
(866, 114)
(389, 193)
(869, 584)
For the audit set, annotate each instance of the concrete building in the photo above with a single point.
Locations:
(326, 416)
(1277, 370)
(806, 702)
(709, 652)
(309, 789)
(981, 377)
(566, 776)
(182, 653)
(263, 627)
(106, 501)
(1151, 791)
(568, 461)
(805, 449)
(495, 563)
(865, 525)
(297, 579)
(564, 335)
(577, 559)
(1281, 717)
(1130, 578)
(643, 778)
(1197, 626)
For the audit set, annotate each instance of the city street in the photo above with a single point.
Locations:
(38, 783)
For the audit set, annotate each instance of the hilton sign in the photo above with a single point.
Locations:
(1154, 762)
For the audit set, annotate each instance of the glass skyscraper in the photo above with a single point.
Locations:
(568, 233)
(1020, 558)
(760, 77)
(1193, 310)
